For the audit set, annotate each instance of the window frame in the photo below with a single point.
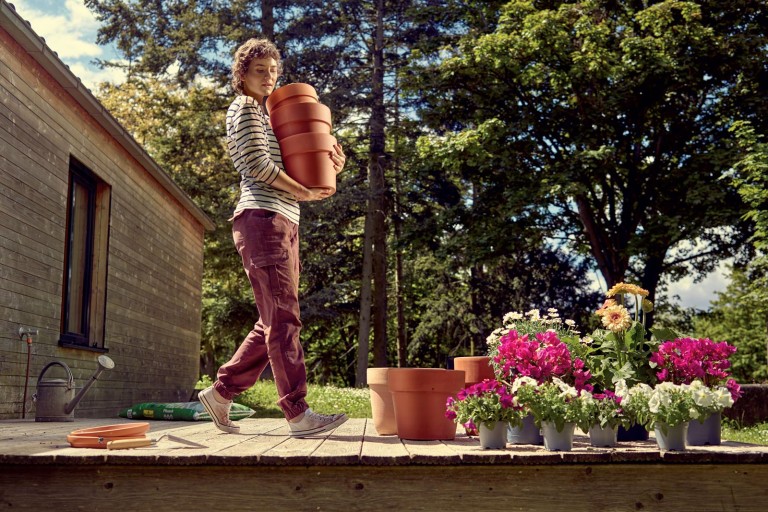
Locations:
(95, 250)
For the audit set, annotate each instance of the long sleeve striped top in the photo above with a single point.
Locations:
(256, 155)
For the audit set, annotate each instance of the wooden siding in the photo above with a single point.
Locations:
(154, 263)
(354, 468)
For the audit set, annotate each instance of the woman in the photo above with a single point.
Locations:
(265, 231)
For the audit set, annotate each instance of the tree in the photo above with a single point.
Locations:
(613, 117)
(180, 128)
(346, 48)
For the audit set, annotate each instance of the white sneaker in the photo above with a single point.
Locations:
(219, 412)
(314, 423)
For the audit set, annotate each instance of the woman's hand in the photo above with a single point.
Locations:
(311, 194)
(339, 158)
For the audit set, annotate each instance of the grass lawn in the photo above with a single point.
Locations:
(755, 434)
(262, 398)
(357, 404)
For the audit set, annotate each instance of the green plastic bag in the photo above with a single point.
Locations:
(182, 411)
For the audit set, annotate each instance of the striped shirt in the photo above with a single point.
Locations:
(255, 152)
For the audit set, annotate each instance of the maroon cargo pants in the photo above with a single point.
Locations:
(268, 244)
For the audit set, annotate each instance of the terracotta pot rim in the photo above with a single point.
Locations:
(119, 429)
(309, 142)
(288, 90)
(436, 380)
(301, 112)
(378, 376)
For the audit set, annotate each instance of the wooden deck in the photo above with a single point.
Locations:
(354, 468)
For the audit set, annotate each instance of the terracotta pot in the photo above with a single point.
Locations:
(419, 396)
(290, 94)
(307, 159)
(98, 437)
(476, 368)
(300, 118)
(382, 407)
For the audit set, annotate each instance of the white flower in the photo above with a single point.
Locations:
(654, 403)
(703, 397)
(621, 388)
(511, 317)
(694, 413)
(534, 314)
(722, 397)
(528, 381)
(570, 323)
(566, 390)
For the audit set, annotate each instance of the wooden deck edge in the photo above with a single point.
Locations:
(502, 458)
(573, 487)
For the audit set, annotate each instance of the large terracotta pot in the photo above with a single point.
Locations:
(290, 94)
(476, 368)
(307, 159)
(382, 406)
(300, 118)
(419, 396)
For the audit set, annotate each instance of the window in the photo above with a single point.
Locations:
(85, 263)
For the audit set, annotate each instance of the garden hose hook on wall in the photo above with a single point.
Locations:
(26, 333)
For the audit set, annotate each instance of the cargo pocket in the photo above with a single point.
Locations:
(269, 263)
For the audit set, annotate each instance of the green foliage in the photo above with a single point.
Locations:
(538, 140)
(738, 318)
(594, 114)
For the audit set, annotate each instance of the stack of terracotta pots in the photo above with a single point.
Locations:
(302, 126)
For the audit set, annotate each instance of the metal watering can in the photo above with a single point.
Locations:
(55, 398)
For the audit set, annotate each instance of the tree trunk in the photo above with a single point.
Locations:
(611, 261)
(364, 325)
(378, 209)
(650, 281)
(268, 19)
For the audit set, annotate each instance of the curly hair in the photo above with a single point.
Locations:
(252, 49)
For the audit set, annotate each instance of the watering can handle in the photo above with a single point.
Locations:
(70, 378)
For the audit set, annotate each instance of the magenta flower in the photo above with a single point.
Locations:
(542, 359)
(684, 360)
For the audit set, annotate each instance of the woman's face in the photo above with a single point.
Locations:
(260, 78)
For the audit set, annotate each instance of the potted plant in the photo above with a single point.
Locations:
(489, 406)
(622, 347)
(703, 364)
(557, 406)
(602, 417)
(667, 408)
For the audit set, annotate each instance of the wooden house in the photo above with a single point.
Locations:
(100, 251)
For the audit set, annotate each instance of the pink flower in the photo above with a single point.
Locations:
(685, 359)
(542, 359)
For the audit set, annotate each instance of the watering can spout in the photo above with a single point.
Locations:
(105, 363)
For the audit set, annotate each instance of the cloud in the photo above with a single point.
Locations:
(70, 30)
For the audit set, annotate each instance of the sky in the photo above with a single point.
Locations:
(70, 29)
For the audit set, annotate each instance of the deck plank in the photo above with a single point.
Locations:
(382, 450)
(343, 445)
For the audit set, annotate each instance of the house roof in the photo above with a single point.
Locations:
(35, 46)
